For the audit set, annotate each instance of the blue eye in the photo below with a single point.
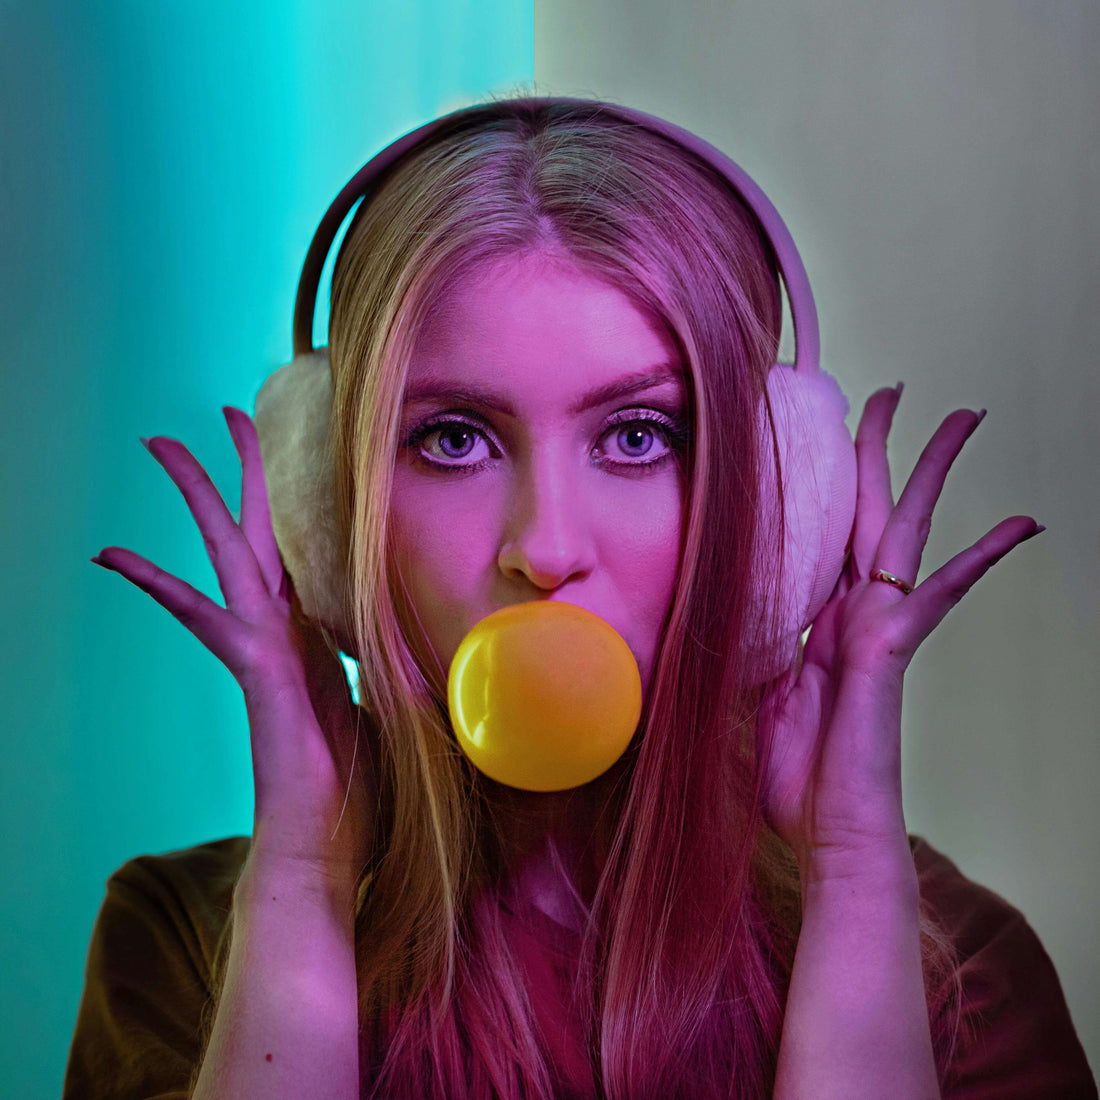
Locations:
(451, 432)
(633, 431)
(456, 439)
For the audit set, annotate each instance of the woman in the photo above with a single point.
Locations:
(553, 331)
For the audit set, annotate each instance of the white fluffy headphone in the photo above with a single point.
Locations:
(817, 459)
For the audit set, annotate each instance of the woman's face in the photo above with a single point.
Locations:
(540, 456)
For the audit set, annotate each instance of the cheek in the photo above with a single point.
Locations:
(640, 545)
(649, 542)
(441, 541)
(645, 524)
(441, 545)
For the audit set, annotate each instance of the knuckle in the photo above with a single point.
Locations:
(953, 587)
(868, 436)
(190, 609)
(251, 652)
(924, 529)
(954, 591)
(939, 451)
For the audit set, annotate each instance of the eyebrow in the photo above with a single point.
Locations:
(661, 374)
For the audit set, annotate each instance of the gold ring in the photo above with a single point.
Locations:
(889, 578)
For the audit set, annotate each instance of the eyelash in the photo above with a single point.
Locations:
(675, 431)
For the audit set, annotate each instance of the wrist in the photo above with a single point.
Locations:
(273, 874)
(286, 1018)
(856, 1020)
(867, 868)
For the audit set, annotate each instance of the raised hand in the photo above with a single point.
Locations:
(830, 731)
(310, 755)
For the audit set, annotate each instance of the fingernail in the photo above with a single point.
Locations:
(899, 387)
(144, 441)
(97, 560)
(981, 416)
(1039, 528)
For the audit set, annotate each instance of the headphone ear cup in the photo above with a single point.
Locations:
(293, 419)
(816, 460)
(817, 464)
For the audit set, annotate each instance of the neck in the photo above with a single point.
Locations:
(555, 844)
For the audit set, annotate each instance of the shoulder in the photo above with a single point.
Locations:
(1016, 1038)
(191, 888)
(149, 971)
(175, 902)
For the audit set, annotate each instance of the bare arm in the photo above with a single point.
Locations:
(287, 1018)
(856, 1022)
(286, 1023)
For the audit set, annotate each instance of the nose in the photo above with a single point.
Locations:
(548, 537)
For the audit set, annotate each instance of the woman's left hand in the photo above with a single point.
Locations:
(832, 727)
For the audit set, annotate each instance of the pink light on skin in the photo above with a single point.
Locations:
(535, 489)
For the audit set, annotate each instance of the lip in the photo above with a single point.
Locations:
(562, 599)
(550, 599)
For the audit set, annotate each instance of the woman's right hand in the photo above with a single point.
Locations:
(311, 761)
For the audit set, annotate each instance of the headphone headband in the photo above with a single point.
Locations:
(803, 310)
(801, 420)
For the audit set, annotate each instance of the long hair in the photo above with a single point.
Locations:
(682, 970)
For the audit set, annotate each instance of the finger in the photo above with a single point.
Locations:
(215, 627)
(235, 565)
(874, 495)
(903, 539)
(927, 605)
(255, 508)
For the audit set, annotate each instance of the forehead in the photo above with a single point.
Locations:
(531, 322)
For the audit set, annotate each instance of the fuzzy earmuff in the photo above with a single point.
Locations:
(818, 469)
(294, 412)
(293, 418)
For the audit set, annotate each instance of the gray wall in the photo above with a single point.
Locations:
(938, 165)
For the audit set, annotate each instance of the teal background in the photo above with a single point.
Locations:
(162, 168)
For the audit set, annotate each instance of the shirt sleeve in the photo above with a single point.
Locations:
(150, 962)
(147, 980)
(1017, 1040)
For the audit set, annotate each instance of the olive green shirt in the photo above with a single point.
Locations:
(148, 980)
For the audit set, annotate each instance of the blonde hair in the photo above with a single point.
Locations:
(687, 954)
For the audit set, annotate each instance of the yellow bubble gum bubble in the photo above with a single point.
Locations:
(544, 696)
